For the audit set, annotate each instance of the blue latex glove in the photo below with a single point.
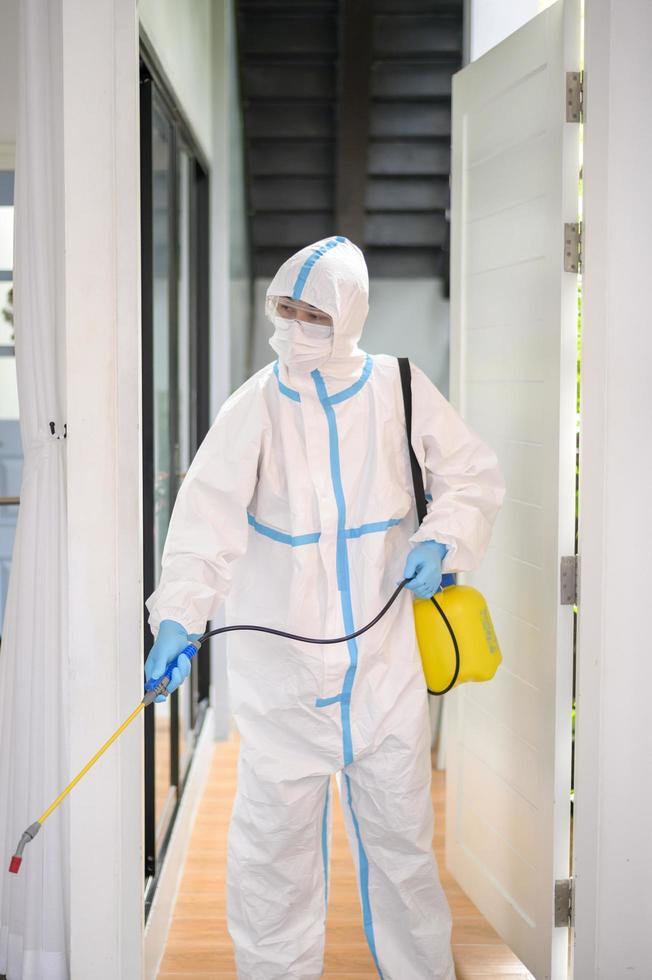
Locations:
(424, 562)
(172, 638)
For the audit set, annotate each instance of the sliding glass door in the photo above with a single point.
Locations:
(174, 214)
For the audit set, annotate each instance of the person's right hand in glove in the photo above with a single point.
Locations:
(172, 638)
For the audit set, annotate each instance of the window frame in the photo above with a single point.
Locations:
(155, 93)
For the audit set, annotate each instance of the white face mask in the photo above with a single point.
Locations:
(301, 346)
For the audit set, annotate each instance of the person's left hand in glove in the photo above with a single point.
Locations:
(424, 563)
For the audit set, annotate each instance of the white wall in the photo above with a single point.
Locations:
(613, 771)
(407, 317)
(410, 318)
(491, 21)
(181, 35)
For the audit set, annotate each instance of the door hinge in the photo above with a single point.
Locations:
(569, 580)
(564, 908)
(575, 96)
(573, 247)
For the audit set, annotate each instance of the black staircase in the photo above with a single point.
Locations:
(346, 109)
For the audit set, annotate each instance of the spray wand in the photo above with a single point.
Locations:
(153, 687)
(159, 686)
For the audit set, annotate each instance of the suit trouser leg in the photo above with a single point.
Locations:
(277, 876)
(389, 818)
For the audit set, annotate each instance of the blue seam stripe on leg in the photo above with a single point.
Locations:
(363, 867)
(324, 841)
(304, 271)
(342, 565)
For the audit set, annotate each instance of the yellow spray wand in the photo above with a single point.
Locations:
(153, 688)
(158, 686)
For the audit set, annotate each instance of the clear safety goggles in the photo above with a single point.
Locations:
(313, 322)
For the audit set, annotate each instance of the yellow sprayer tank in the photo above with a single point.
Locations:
(469, 626)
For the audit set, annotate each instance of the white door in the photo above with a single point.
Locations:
(513, 349)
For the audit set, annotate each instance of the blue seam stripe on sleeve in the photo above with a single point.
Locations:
(304, 271)
(295, 540)
(363, 872)
(342, 566)
(288, 392)
(354, 388)
(357, 532)
(324, 841)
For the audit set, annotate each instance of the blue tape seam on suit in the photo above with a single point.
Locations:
(296, 540)
(354, 388)
(324, 841)
(304, 271)
(334, 399)
(342, 564)
(288, 392)
(343, 582)
(357, 532)
(363, 870)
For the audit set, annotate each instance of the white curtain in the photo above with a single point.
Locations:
(33, 660)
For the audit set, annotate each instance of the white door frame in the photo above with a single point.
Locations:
(613, 769)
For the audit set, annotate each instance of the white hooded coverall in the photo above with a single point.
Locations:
(298, 511)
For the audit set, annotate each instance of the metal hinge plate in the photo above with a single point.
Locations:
(573, 247)
(564, 902)
(574, 96)
(569, 580)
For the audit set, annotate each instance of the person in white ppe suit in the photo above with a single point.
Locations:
(298, 511)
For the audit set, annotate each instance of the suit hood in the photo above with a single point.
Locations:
(331, 275)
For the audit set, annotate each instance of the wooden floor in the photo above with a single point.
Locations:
(199, 946)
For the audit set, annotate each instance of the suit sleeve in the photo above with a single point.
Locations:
(462, 477)
(209, 528)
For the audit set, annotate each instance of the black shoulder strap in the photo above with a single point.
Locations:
(417, 479)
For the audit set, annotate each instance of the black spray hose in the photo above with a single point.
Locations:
(311, 639)
(157, 686)
(455, 648)
(352, 636)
